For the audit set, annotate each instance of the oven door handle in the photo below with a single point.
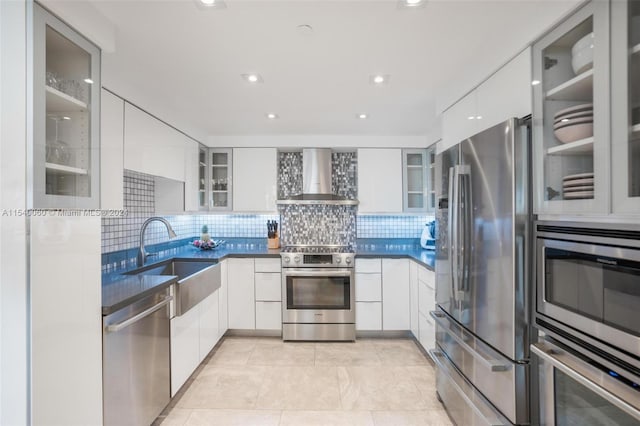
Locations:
(570, 365)
(315, 273)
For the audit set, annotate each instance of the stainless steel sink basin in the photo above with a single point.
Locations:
(196, 280)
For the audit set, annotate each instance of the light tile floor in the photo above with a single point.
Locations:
(265, 381)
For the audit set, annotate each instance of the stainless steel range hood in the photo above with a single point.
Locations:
(316, 180)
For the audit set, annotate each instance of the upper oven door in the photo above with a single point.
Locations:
(318, 295)
(592, 288)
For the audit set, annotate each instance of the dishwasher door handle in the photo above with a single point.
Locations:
(112, 328)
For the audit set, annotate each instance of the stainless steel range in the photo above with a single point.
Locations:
(318, 290)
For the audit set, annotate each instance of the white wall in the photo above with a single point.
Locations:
(14, 334)
(320, 141)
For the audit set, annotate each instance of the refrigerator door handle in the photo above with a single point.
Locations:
(495, 365)
(459, 211)
(466, 206)
(453, 230)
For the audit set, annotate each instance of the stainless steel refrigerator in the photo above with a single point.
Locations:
(482, 264)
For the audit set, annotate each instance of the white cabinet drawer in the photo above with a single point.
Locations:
(426, 299)
(267, 264)
(268, 286)
(268, 316)
(428, 277)
(370, 266)
(369, 316)
(368, 287)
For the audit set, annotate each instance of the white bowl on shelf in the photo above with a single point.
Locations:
(582, 60)
(574, 109)
(572, 122)
(574, 132)
(582, 43)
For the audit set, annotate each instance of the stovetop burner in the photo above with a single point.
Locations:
(318, 249)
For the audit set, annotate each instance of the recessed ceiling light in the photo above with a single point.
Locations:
(479, 117)
(252, 78)
(88, 81)
(379, 79)
(362, 116)
(471, 117)
(272, 116)
(66, 118)
(535, 82)
(413, 4)
(212, 4)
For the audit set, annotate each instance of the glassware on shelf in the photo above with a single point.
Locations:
(57, 151)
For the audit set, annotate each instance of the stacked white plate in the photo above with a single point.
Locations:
(574, 123)
(578, 186)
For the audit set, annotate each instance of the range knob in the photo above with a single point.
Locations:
(286, 259)
(338, 260)
(348, 260)
(296, 259)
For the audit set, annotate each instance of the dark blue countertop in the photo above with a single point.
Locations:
(120, 290)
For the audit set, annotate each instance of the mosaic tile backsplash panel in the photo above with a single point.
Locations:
(344, 174)
(318, 225)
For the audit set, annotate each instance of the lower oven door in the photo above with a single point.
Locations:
(592, 288)
(318, 295)
(576, 392)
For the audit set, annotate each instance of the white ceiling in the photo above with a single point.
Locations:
(183, 63)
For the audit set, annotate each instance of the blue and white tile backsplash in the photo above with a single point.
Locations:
(139, 191)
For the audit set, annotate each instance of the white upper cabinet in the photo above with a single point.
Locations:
(255, 179)
(65, 115)
(191, 175)
(151, 146)
(380, 180)
(111, 151)
(504, 95)
(625, 106)
(571, 116)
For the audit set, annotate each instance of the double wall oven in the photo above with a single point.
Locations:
(588, 309)
(318, 289)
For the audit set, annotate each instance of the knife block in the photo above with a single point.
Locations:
(273, 243)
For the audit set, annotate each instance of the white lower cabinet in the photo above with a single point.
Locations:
(396, 312)
(413, 295)
(368, 287)
(268, 315)
(185, 347)
(223, 308)
(193, 335)
(208, 324)
(369, 316)
(268, 286)
(241, 294)
(427, 332)
(426, 304)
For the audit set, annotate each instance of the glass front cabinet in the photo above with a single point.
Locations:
(65, 102)
(220, 179)
(625, 106)
(586, 115)
(417, 171)
(571, 114)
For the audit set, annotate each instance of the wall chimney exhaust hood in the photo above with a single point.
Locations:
(316, 180)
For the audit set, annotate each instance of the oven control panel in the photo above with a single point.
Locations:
(308, 260)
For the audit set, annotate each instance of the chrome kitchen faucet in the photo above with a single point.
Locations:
(142, 254)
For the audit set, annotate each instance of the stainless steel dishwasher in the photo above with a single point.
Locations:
(136, 365)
